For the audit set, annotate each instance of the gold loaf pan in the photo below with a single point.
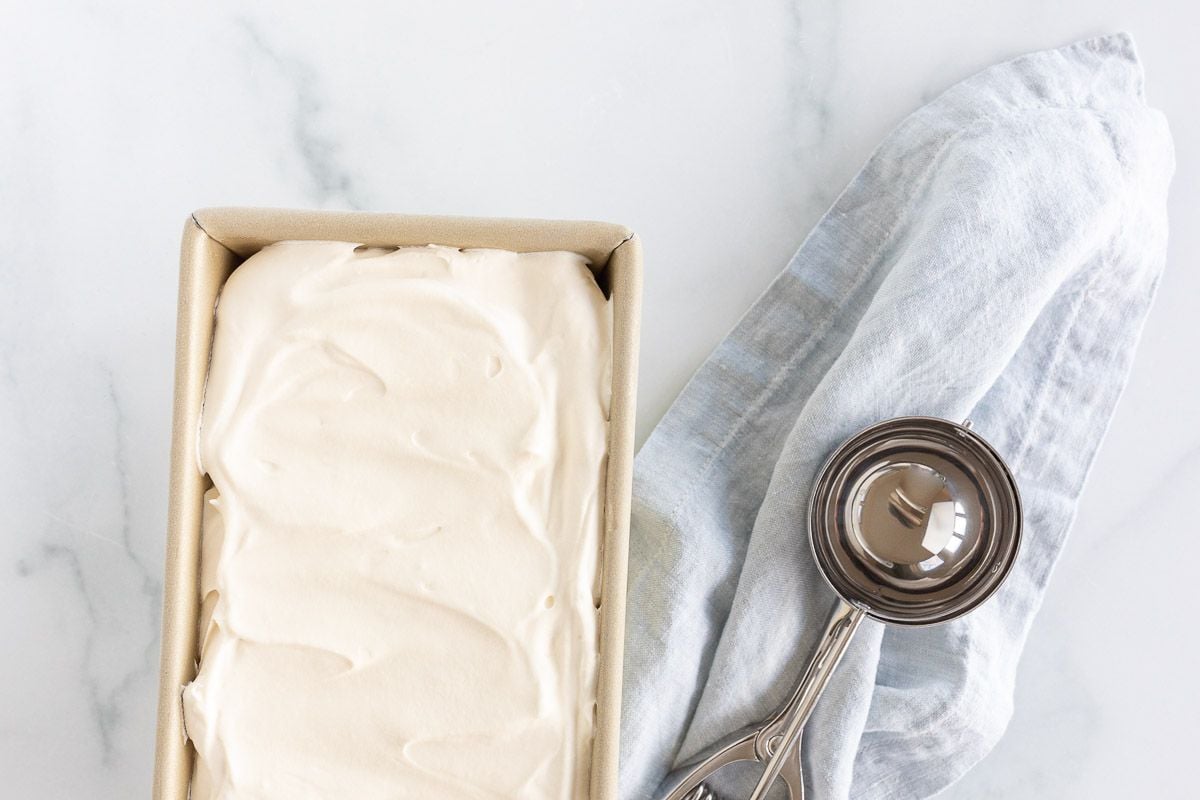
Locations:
(215, 241)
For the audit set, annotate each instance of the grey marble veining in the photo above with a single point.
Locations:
(719, 132)
(318, 149)
(814, 30)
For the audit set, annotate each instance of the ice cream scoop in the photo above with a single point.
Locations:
(912, 521)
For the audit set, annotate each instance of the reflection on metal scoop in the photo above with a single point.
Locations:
(912, 521)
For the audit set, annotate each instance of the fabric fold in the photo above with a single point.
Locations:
(994, 259)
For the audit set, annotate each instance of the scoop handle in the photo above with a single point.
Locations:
(778, 737)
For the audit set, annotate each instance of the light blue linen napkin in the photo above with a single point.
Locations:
(995, 259)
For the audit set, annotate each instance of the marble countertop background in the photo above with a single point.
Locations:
(719, 131)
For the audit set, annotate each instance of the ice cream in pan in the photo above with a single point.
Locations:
(400, 549)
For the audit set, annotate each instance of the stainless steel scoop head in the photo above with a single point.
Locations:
(916, 520)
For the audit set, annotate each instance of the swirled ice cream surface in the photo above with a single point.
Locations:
(399, 568)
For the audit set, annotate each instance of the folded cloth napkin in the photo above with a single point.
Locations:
(995, 259)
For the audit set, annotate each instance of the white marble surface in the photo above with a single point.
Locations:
(719, 132)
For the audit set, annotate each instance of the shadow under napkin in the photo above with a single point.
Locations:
(995, 259)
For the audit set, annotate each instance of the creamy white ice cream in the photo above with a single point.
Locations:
(400, 551)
